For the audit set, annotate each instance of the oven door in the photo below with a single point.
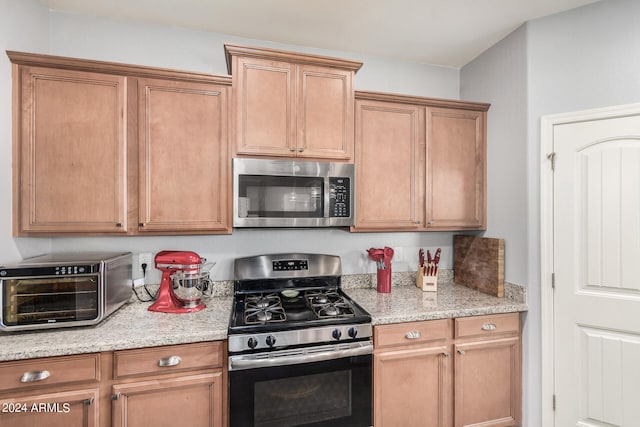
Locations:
(48, 302)
(324, 387)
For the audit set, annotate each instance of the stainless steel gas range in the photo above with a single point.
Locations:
(300, 350)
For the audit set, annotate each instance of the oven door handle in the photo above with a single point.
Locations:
(238, 363)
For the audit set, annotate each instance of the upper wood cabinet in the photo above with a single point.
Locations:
(389, 158)
(291, 105)
(421, 163)
(183, 158)
(103, 148)
(70, 151)
(456, 169)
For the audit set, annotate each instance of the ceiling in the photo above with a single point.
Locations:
(443, 32)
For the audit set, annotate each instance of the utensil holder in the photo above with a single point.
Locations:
(384, 280)
(428, 283)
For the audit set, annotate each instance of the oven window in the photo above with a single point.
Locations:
(333, 393)
(261, 196)
(33, 301)
(302, 400)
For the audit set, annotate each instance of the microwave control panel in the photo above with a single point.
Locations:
(340, 197)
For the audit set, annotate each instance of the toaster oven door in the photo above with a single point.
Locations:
(36, 302)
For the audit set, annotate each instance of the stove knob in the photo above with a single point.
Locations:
(271, 340)
(353, 332)
(336, 334)
(252, 343)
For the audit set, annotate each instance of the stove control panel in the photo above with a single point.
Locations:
(271, 340)
(290, 264)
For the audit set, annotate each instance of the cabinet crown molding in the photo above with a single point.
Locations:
(67, 63)
(231, 50)
(421, 100)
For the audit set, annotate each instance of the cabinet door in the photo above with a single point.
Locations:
(412, 388)
(77, 408)
(183, 157)
(194, 401)
(456, 169)
(389, 179)
(264, 98)
(70, 152)
(487, 383)
(324, 113)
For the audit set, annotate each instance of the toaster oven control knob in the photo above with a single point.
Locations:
(352, 332)
(252, 343)
(271, 340)
(336, 334)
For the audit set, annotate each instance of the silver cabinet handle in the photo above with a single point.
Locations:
(446, 354)
(301, 149)
(33, 376)
(412, 335)
(461, 352)
(169, 361)
(292, 149)
(489, 327)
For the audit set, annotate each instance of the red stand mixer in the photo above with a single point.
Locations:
(183, 282)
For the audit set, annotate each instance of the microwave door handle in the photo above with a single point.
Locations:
(326, 195)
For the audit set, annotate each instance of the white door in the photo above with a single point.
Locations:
(596, 260)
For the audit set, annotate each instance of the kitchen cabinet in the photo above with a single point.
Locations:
(412, 374)
(183, 165)
(291, 104)
(456, 169)
(70, 151)
(488, 371)
(389, 173)
(58, 391)
(114, 149)
(459, 372)
(168, 385)
(421, 163)
(145, 392)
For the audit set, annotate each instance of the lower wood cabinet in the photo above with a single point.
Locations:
(159, 386)
(462, 372)
(194, 400)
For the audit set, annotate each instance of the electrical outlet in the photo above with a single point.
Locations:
(144, 258)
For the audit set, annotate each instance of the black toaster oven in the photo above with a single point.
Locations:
(63, 290)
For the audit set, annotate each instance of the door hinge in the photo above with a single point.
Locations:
(552, 156)
(554, 402)
(553, 280)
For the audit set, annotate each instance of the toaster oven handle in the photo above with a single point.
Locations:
(33, 376)
(240, 363)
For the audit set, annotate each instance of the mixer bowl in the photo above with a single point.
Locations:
(189, 287)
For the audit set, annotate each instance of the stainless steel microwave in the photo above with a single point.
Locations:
(62, 290)
(292, 193)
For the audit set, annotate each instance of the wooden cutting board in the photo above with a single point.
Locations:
(478, 262)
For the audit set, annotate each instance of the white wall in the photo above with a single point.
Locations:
(24, 25)
(107, 39)
(499, 76)
(581, 59)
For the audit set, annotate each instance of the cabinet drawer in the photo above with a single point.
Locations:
(410, 333)
(487, 325)
(49, 371)
(160, 360)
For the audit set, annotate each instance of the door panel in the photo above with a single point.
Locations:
(596, 251)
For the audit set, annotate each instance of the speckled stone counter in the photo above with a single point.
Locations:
(408, 303)
(132, 326)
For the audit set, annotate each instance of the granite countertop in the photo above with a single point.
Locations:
(409, 303)
(133, 326)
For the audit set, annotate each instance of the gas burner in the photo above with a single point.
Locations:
(263, 308)
(329, 304)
